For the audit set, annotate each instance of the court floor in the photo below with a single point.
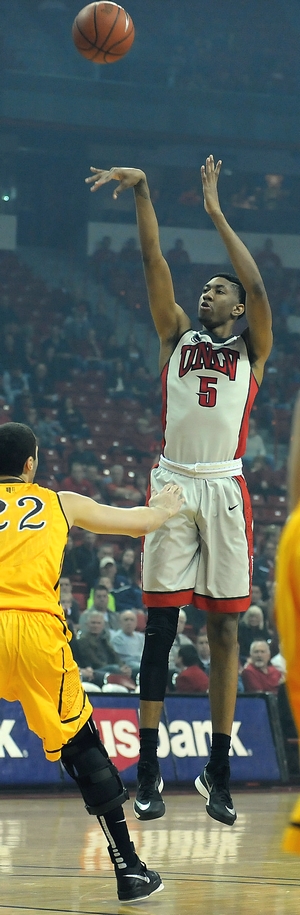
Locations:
(53, 858)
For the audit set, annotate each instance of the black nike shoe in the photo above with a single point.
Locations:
(215, 788)
(149, 804)
(137, 882)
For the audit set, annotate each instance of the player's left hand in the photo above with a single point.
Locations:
(209, 176)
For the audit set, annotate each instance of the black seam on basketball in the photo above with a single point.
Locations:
(91, 43)
(95, 23)
(110, 51)
(111, 30)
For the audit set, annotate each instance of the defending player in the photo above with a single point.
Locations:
(287, 605)
(36, 663)
(209, 382)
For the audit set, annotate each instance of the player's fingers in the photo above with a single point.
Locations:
(124, 184)
(98, 172)
(218, 167)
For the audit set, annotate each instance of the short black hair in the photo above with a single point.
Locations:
(189, 655)
(235, 282)
(17, 444)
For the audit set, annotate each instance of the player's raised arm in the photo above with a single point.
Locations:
(105, 519)
(259, 334)
(170, 320)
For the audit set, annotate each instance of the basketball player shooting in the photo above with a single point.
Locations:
(210, 378)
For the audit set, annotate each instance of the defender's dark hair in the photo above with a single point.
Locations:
(235, 282)
(17, 443)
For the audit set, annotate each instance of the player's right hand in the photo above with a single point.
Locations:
(170, 498)
(128, 177)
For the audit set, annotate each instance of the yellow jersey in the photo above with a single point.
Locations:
(33, 536)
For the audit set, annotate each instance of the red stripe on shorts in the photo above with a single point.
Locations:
(167, 598)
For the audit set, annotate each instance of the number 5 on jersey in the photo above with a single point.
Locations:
(207, 394)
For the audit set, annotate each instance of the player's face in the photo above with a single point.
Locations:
(216, 303)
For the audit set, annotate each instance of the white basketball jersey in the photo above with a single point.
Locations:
(208, 392)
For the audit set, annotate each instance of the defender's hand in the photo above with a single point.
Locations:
(128, 177)
(169, 498)
(209, 176)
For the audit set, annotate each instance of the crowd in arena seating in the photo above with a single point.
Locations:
(95, 408)
(230, 57)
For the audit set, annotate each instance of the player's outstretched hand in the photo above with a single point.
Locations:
(170, 498)
(127, 177)
(209, 176)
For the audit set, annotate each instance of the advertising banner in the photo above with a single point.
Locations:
(185, 736)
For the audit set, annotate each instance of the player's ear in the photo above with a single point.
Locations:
(238, 310)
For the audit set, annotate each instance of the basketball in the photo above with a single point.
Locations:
(103, 32)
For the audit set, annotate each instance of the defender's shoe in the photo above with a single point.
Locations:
(137, 882)
(149, 804)
(215, 788)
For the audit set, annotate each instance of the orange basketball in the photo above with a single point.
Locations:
(103, 32)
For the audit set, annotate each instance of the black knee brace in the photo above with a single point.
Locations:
(86, 760)
(159, 637)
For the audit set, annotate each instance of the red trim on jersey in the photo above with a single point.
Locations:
(220, 604)
(247, 508)
(252, 392)
(167, 598)
(164, 378)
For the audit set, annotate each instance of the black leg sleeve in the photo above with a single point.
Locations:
(159, 637)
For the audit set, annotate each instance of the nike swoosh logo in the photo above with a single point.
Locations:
(231, 507)
(230, 810)
(137, 877)
(142, 806)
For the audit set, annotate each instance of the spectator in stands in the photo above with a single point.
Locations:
(128, 643)
(103, 260)
(72, 419)
(11, 353)
(93, 651)
(257, 599)
(76, 481)
(85, 559)
(178, 260)
(129, 255)
(28, 359)
(259, 675)
(70, 606)
(264, 566)
(141, 384)
(81, 453)
(114, 348)
(126, 565)
(8, 315)
(203, 650)
(255, 443)
(77, 324)
(108, 567)
(101, 604)
(94, 476)
(135, 355)
(119, 492)
(117, 380)
(191, 678)
(48, 429)
(15, 384)
(267, 259)
(251, 626)
(42, 387)
(180, 639)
